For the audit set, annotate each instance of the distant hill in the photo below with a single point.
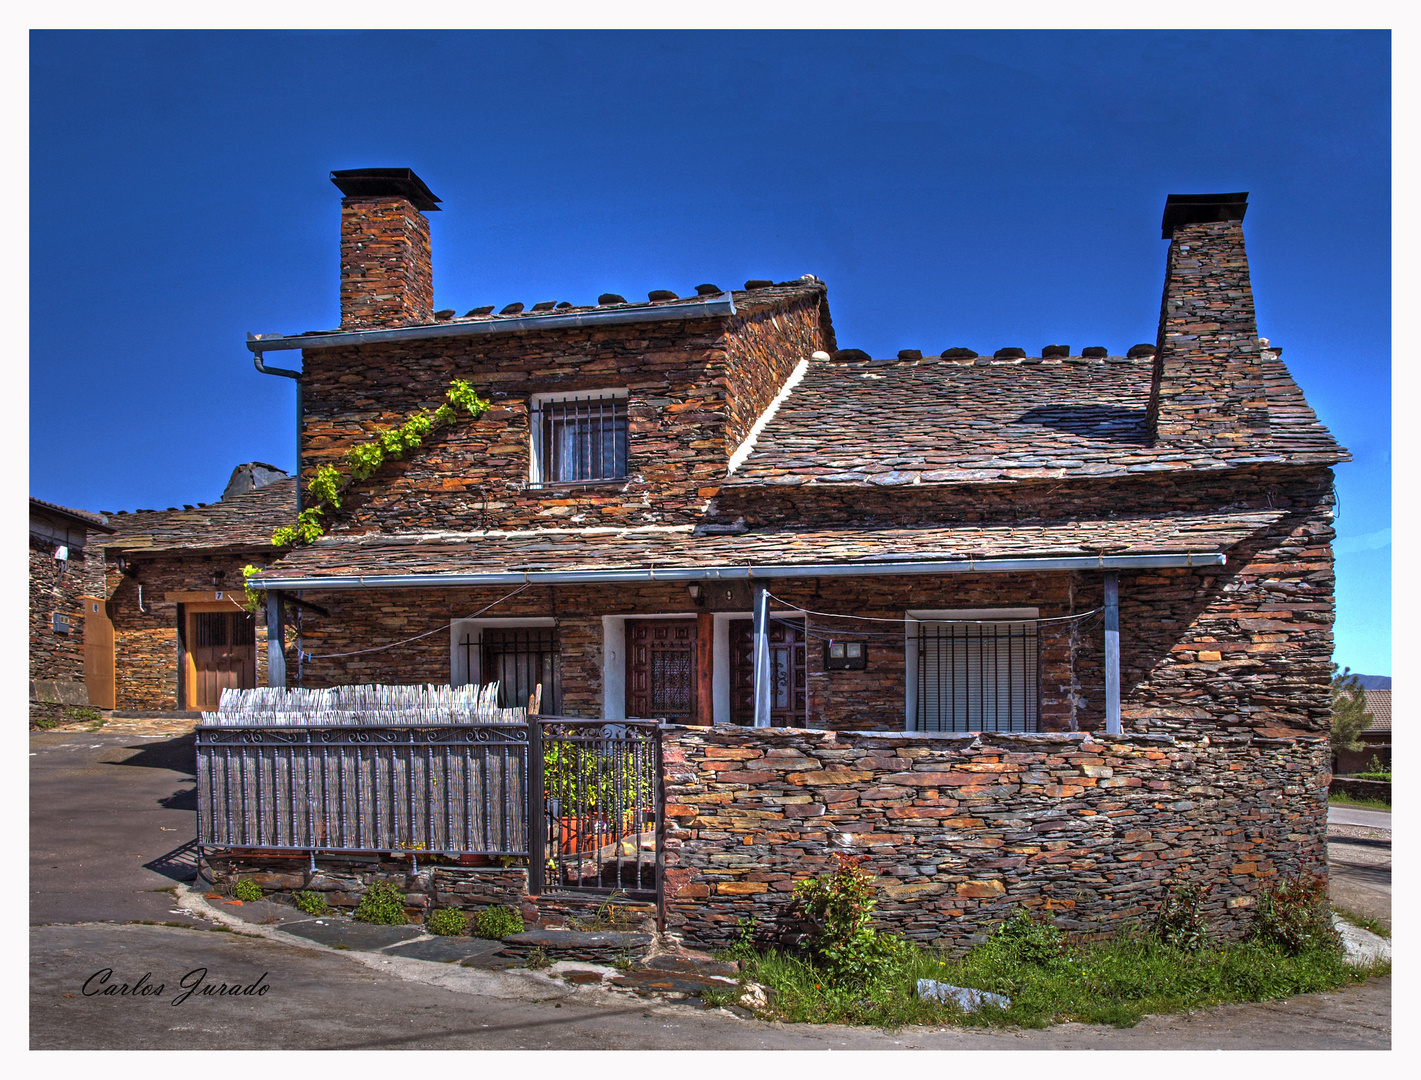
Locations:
(1375, 682)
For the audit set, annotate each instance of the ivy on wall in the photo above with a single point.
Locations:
(364, 459)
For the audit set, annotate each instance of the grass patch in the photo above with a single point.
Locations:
(1116, 982)
(1366, 922)
(1341, 798)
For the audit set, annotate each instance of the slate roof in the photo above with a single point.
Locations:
(680, 547)
(87, 519)
(936, 421)
(245, 520)
(1379, 705)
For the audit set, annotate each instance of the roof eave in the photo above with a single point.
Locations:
(966, 565)
(718, 307)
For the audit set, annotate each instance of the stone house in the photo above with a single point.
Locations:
(702, 509)
(1046, 629)
(66, 581)
(176, 604)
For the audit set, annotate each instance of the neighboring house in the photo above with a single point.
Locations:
(66, 581)
(176, 598)
(700, 509)
(1375, 740)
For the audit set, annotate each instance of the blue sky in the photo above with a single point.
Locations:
(952, 188)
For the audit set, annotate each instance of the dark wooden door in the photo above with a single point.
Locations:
(661, 669)
(223, 648)
(787, 696)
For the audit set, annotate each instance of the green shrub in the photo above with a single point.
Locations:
(247, 889)
(1295, 916)
(839, 906)
(312, 903)
(447, 922)
(1180, 921)
(497, 922)
(383, 904)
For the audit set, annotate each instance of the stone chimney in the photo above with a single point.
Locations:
(1207, 388)
(386, 278)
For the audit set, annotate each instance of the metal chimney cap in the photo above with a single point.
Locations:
(385, 183)
(1193, 209)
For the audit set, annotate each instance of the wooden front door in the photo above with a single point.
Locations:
(98, 653)
(661, 669)
(221, 653)
(787, 696)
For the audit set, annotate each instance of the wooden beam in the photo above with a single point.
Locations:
(705, 660)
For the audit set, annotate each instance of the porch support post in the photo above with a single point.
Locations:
(762, 656)
(275, 640)
(1112, 652)
(705, 660)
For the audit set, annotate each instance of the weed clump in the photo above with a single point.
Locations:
(494, 923)
(1180, 920)
(312, 903)
(1295, 917)
(247, 890)
(447, 922)
(382, 904)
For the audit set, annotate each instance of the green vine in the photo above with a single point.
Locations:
(256, 598)
(364, 459)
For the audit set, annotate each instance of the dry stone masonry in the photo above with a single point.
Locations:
(960, 830)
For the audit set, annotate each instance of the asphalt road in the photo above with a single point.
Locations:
(1358, 815)
(111, 818)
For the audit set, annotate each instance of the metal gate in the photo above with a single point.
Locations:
(600, 785)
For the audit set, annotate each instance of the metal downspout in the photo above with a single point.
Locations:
(289, 374)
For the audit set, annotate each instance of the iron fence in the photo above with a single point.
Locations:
(439, 789)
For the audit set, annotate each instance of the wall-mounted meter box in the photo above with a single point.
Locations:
(845, 655)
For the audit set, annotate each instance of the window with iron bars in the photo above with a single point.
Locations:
(578, 438)
(519, 658)
(977, 676)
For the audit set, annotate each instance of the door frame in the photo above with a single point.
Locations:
(614, 659)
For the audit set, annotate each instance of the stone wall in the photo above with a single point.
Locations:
(961, 830)
(57, 586)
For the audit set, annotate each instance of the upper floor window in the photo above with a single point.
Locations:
(579, 437)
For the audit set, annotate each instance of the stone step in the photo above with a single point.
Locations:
(590, 945)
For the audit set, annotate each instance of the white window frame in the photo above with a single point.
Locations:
(912, 621)
(535, 431)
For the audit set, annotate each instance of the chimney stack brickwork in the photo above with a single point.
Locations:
(386, 277)
(1208, 386)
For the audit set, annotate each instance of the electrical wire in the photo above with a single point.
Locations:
(417, 637)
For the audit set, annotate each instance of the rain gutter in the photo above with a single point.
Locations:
(969, 565)
(721, 305)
